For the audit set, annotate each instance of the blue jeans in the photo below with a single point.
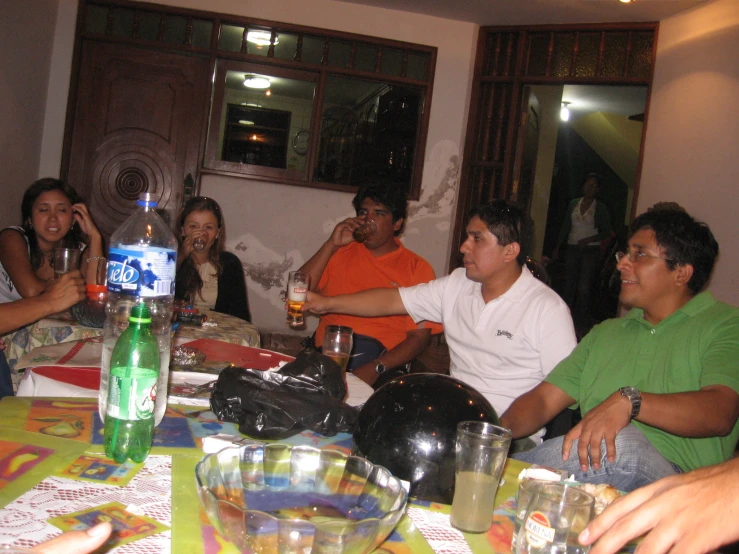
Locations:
(637, 463)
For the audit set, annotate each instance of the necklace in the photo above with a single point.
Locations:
(48, 257)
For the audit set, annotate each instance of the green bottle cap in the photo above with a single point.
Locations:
(140, 314)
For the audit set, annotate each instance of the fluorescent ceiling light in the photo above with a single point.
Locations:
(261, 38)
(245, 122)
(256, 81)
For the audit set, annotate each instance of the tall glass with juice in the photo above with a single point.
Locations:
(481, 452)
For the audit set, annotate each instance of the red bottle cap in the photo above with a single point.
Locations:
(96, 292)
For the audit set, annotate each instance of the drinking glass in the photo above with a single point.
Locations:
(556, 515)
(337, 344)
(65, 260)
(298, 283)
(481, 453)
(526, 491)
(198, 244)
(363, 232)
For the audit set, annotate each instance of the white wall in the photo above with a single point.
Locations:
(550, 101)
(259, 231)
(690, 153)
(56, 99)
(25, 28)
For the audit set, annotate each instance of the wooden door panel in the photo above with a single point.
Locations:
(138, 127)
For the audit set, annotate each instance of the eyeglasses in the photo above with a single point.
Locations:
(636, 256)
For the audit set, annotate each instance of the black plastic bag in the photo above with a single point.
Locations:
(306, 393)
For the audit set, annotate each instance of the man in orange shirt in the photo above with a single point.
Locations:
(344, 266)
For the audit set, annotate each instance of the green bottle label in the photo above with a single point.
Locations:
(132, 393)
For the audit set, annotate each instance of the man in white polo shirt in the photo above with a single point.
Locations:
(506, 330)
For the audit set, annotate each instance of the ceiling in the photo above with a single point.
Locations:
(535, 12)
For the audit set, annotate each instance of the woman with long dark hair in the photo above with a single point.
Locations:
(207, 276)
(53, 215)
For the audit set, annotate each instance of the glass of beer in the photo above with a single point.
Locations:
(65, 260)
(363, 232)
(482, 449)
(298, 283)
(337, 344)
(556, 515)
(526, 491)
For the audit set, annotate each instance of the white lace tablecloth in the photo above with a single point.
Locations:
(438, 532)
(23, 521)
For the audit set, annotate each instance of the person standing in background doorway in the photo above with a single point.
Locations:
(586, 224)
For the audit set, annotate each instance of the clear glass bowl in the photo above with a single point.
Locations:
(281, 498)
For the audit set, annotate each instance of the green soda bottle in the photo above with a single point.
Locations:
(129, 418)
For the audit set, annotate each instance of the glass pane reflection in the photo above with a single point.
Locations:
(368, 132)
(260, 128)
(231, 37)
(418, 66)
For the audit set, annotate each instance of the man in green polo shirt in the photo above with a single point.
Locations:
(659, 388)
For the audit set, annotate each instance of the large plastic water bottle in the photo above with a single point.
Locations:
(132, 390)
(141, 268)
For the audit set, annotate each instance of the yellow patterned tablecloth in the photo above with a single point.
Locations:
(51, 331)
(58, 430)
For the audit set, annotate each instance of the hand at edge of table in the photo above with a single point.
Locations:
(692, 513)
(78, 542)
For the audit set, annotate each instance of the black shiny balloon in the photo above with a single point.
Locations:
(409, 426)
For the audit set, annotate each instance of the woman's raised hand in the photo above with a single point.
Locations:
(84, 220)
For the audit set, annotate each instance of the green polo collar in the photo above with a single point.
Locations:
(701, 301)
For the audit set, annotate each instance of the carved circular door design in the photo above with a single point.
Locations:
(120, 174)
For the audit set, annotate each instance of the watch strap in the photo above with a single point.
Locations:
(634, 396)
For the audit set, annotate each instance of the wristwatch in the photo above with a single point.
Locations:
(380, 368)
(634, 396)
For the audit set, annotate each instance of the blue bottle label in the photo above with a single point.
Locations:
(142, 271)
(132, 397)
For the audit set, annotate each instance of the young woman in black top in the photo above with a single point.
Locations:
(207, 276)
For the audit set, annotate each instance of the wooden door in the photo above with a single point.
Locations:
(137, 127)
